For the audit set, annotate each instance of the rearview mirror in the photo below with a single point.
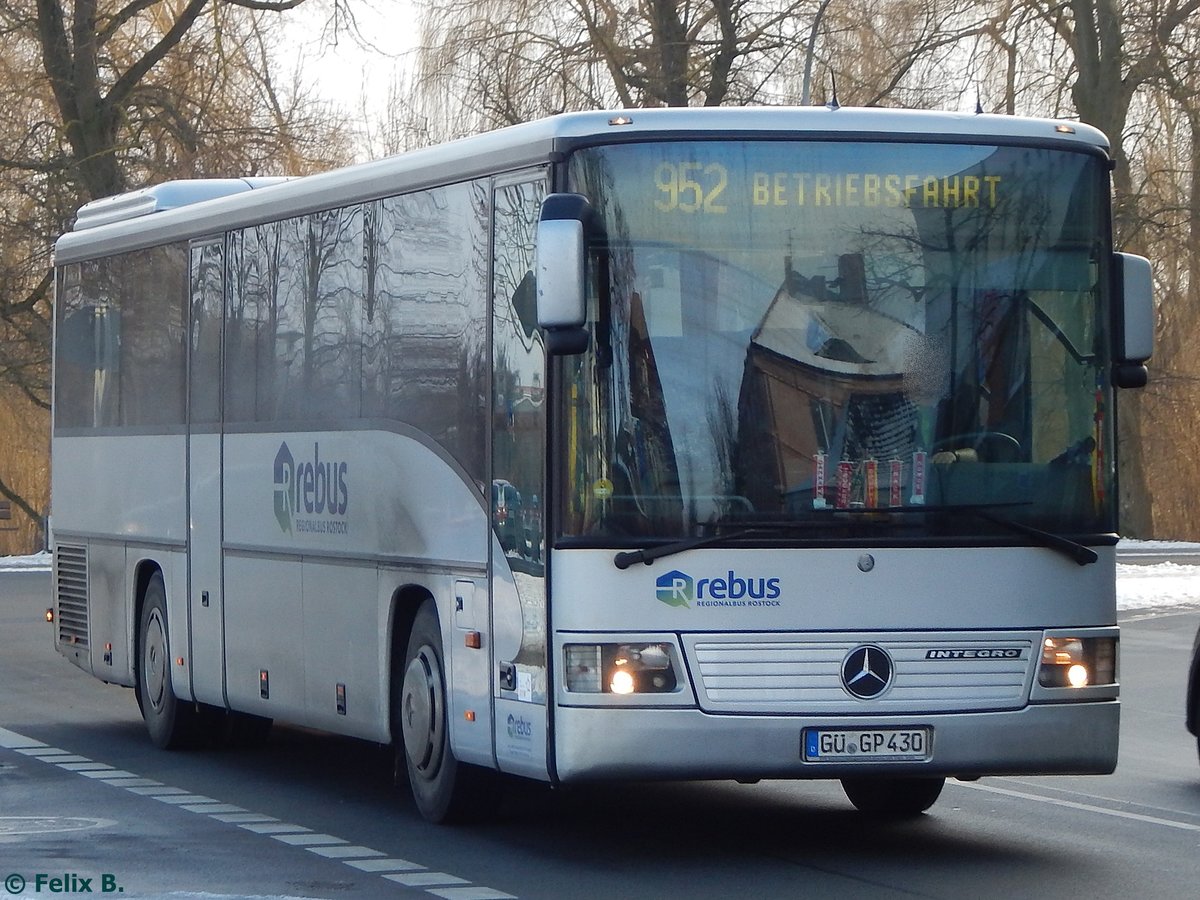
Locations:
(1135, 315)
(561, 272)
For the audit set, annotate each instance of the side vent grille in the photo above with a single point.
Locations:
(71, 594)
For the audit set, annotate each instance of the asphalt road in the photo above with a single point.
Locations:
(312, 815)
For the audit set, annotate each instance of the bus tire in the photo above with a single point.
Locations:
(899, 797)
(171, 723)
(443, 789)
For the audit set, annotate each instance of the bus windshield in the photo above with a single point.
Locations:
(874, 340)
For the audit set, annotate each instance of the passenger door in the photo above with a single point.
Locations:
(518, 445)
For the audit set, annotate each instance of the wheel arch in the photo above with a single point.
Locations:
(406, 601)
(143, 572)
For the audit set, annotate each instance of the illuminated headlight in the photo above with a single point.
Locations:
(1074, 662)
(619, 668)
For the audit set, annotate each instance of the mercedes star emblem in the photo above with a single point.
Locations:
(867, 671)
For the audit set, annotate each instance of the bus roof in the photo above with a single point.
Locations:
(181, 210)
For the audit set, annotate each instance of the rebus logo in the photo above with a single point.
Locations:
(679, 589)
(675, 588)
(306, 488)
(285, 477)
(519, 727)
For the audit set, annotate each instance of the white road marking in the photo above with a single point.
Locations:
(365, 859)
(1082, 807)
(180, 799)
(156, 791)
(274, 827)
(425, 879)
(345, 852)
(131, 782)
(108, 773)
(306, 840)
(384, 865)
(239, 818)
(14, 741)
(83, 766)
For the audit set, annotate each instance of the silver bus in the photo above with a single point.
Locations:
(668, 444)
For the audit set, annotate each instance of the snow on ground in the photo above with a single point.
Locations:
(1153, 586)
(1157, 585)
(39, 562)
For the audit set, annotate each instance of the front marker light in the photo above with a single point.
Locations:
(619, 668)
(1074, 662)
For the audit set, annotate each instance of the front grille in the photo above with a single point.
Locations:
(801, 674)
(71, 594)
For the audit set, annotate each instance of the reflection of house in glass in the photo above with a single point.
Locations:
(824, 375)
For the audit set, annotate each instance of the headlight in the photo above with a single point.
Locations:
(1075, 662)
(619, 668)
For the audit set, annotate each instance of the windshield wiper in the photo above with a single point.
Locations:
(745, 526)
(1076, 552)
(1080, 554)
(647, 555)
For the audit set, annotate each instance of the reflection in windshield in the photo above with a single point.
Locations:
(781, 330)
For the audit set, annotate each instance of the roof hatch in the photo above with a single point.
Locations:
(170, 195)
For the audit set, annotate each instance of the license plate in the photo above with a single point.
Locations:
(865, 744)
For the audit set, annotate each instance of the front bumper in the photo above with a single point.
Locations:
(1077, 738)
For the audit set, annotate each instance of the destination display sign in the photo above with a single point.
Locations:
(705, 187)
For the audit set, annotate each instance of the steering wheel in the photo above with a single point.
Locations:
(976, 439)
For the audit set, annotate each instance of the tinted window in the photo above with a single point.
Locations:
(204, 400)
(425, 331)
(251, 324)
(121, 340)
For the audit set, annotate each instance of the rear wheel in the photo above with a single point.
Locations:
(893, 796)
(444, 789)
(171, 723)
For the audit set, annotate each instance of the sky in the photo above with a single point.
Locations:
(1159, 586)
(340, 68)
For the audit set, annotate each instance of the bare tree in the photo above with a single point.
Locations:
(97, 97)
(506, 61)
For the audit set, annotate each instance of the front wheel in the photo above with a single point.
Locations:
(900, 797)
(444, 789)
(171, 724)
